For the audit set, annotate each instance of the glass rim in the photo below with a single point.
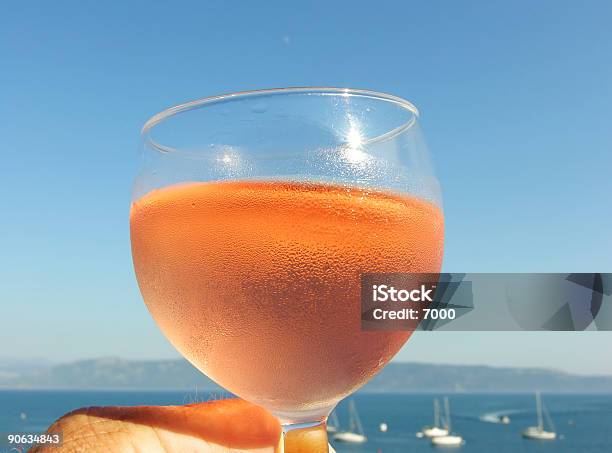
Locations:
(322, 91)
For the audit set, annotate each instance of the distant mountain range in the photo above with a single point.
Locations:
(115, 373)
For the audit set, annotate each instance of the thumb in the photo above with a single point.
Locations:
(224, 425)
(219, 426)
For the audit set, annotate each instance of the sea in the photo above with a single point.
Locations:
(583, 422)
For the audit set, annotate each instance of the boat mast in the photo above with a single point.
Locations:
(354, 416)
(539, 410)
(436, 413)
(447, 410)
(333, 420)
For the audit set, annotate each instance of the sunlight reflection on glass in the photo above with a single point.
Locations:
(353, 151)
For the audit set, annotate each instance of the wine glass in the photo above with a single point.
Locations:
(254, 215)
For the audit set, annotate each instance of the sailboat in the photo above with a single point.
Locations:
(355, 433)
(436, 430)
(333, 425)
(538, 432)
(448, 440)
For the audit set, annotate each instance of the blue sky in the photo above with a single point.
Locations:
(516, 102)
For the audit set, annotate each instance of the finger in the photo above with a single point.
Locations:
(207, 427)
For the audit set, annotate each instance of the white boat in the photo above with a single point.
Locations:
(333, 425)
(355, 434)
(535, 433)
(495, 417)
(436, 430)
(383, 427)
(350, 437)
(504, 420)
(448, 440)
(538, 432)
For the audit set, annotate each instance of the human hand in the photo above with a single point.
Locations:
(230, 425)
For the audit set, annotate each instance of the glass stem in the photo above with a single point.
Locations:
(304, 438)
